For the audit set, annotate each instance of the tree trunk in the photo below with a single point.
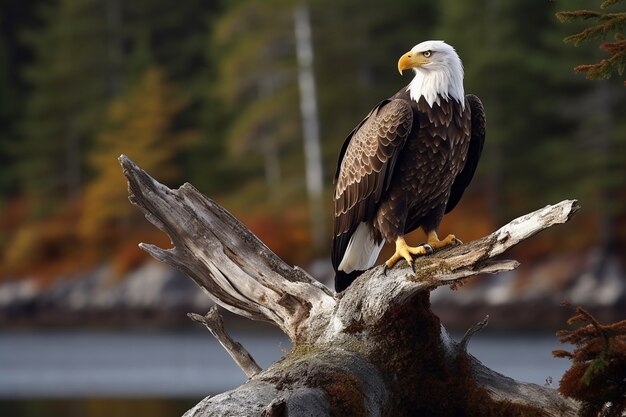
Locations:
(375, 349)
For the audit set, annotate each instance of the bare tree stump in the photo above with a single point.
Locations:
(374, 350)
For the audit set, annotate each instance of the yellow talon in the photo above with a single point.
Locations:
(435, 243)
(404, 251)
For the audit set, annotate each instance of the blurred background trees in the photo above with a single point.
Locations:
(206, 92)
(138, 124)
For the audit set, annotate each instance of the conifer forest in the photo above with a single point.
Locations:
(206, 92)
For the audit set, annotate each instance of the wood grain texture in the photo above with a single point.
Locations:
(376, 349)
(212, 320)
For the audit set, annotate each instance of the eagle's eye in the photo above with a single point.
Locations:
(427, 54)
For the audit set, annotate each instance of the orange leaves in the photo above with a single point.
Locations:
(141, 125)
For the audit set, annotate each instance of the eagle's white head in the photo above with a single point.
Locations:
(438, 72)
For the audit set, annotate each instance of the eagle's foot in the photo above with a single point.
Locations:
(406, 252)
(435, 243)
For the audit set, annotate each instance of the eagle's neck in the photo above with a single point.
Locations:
(442, 82)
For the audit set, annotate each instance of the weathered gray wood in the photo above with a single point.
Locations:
(375, 349)
(214, 323)
(221, 255)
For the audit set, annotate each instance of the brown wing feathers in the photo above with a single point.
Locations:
(365, 166)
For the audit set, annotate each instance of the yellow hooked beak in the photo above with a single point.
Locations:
(411, 60)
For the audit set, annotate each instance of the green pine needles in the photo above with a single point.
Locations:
(602, 25)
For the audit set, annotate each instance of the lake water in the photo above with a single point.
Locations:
(70, 366)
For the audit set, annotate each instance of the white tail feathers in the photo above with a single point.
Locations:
(362, 250)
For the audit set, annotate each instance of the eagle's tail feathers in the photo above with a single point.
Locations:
(360, 255)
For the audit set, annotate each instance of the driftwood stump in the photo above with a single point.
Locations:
(374, 350)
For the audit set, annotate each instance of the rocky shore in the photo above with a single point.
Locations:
(154, 294)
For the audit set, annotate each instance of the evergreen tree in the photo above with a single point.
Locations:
(602, 133)
(88, 52)
(15, 15)
(7, 111)
(257, 84)
(76, 70)
(174, 36)
(603, 24)
(549, 135)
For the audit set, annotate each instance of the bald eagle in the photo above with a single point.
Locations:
(406, 164)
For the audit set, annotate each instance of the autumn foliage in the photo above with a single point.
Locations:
(139, 124)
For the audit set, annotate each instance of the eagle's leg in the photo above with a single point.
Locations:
(404, 251)
(435, 243)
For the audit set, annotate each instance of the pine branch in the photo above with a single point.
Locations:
(610, 22)
(605, 23)
(577, 14)
(609, 3)
(603, 69)
(598, 364)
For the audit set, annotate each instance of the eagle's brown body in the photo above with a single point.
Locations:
(403, 167)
